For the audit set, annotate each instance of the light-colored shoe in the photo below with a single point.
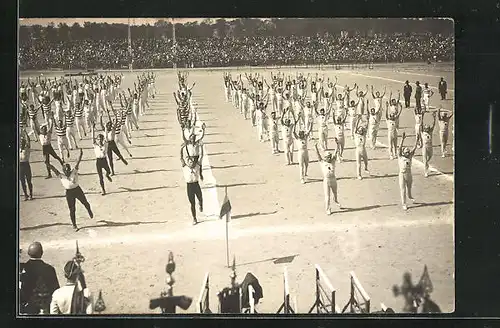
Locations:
(405, 207)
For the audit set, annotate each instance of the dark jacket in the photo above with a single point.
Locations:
(39, 281)
(418, 91)
(250, 280)
(407, 90)
(442, 86)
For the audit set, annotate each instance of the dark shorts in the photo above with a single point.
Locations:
(46, 149)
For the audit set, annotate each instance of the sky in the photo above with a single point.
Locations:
(133, 21)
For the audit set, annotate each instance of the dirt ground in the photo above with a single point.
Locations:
(146, 212)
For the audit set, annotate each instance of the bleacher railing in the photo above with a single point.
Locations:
(325, 294)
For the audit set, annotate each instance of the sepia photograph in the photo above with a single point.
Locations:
(236, 166)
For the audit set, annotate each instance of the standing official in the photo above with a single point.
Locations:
(443, 86)
(407, 90)
(418, 95)
(38, 282)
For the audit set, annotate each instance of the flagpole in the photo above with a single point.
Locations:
(227, 239)
(226, 211)
(490, 130)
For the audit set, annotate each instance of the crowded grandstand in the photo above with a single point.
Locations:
(232, 43)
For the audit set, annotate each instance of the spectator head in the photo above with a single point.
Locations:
(71, 271)
(426, 84)
(353, 103)
(273, 115)
(442, 79)
(43, 129)
(372, 111)
(35, 250)
(417, 83)
(322, 111)
(407, 82)
(109, 125)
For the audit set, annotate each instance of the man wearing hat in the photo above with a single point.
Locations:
(407, 90)
(418, 94)
(38, 282)
(71, 298)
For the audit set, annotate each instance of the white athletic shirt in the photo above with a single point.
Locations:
(339, 130)
(274, 126)
(191, 174)
(24, 155)
(404, 164)
(44, 139)
(391, 125)
(100, 151)
(426, 138)
(70, 182)
(360, 142)
(322, 122)
(328, 169)
(194, 150)
(426, 92)
(302, 144)
(418, 119)
(443, 125)
(361, 106)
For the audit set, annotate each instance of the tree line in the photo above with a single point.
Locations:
(241, 27)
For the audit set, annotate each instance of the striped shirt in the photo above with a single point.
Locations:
(118, 125)
(32, 112)
(183, 113)
(46, 108)
(23, 121)
(69, 118)
(123, 116)
(60, 130)
(78, 109)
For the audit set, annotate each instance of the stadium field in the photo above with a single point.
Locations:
(276, 221)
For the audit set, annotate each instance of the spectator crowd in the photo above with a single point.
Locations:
(234, 51)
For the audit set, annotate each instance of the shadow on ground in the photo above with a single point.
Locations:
(120, 224)
(416, 205)
(275, 260)
(41, 226)
(241, 216)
